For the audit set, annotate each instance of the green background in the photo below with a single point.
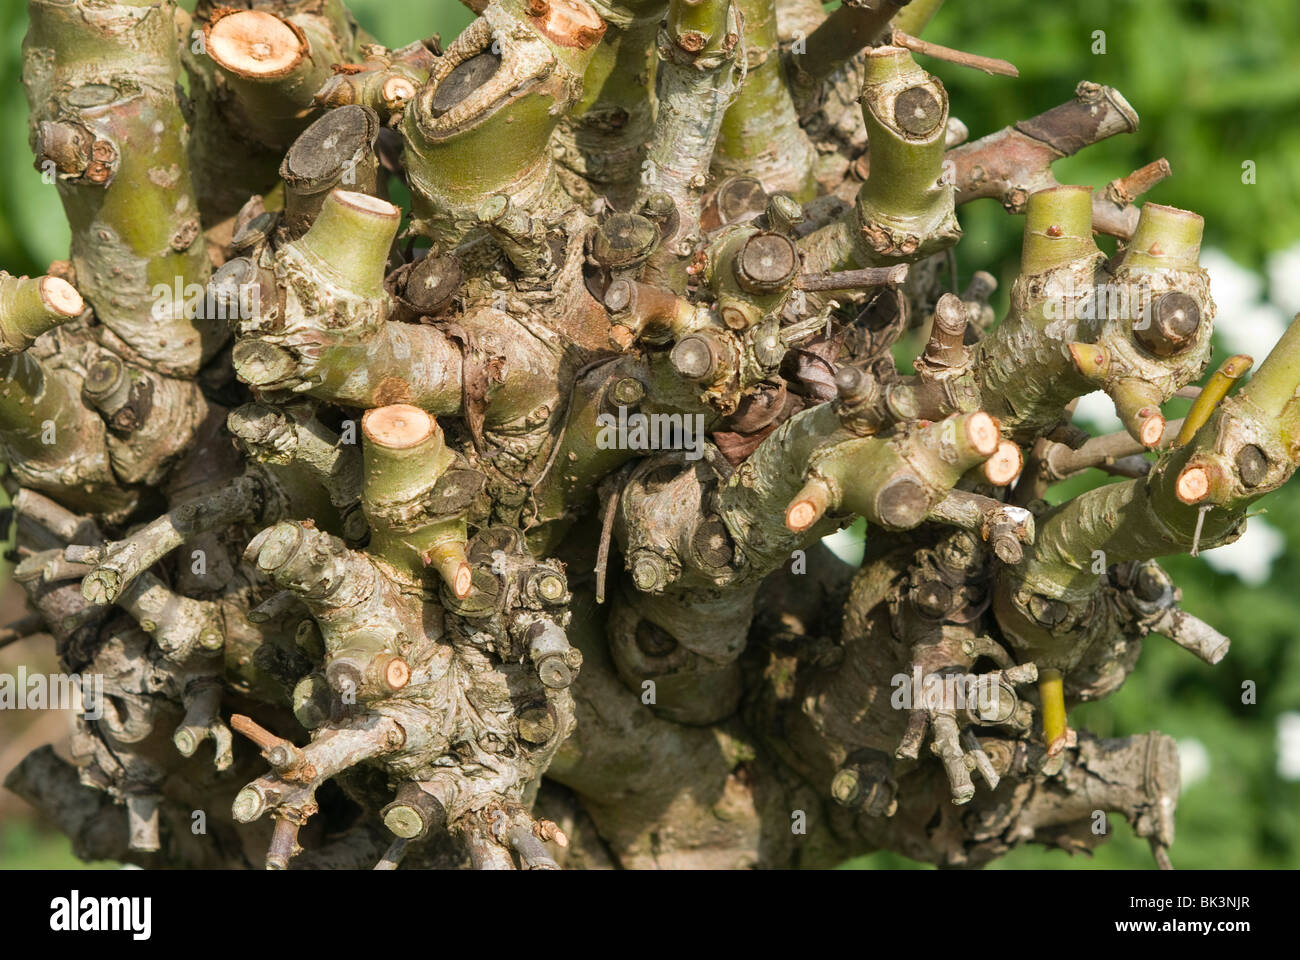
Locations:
(1217, 83)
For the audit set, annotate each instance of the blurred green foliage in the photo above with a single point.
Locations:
(24, 846)
(1217, 83)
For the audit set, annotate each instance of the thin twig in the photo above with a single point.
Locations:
(606, 533)
(1125, 190)
(863, 279)
(1200, 522)
(990, 65)
(393, 855)
(21, 629)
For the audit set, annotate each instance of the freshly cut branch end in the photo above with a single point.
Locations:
(255, 44)
(399, 426)
(1004, 466)
(449, 559)
(1193, 485)
(808, 506)
(1152, 427)
(398, 90)
(365, 203)
(61, 297)
(570, 23)
(982, 433)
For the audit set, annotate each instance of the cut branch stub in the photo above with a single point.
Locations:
(385, 83)
(1015, 162)
(642, 311)
(337, 150)
(766, 263)
(736, 199)
(30, 306)
(55, 443)
(1157, 326)
(905, 209)
(1004, 466)
(1248, 445)
(413, 813)
(623, 241)
(405, 500)
(107, 70)
(482, 124)
(1027, 368)
(256, 44)
(120, 562)
(274, 65)
(351, 237)
(894, 483)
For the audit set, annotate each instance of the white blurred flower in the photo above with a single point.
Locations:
(1252, 330)
(1288, 746)
(1095, 412)
(1284, 279)
(1232, 285)
(847, 544)
(1251, 557)
(1193, 761)
(1244, 320)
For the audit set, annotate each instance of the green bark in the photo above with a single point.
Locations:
(904, 211)
(469, 137)
(601, 141)
(760, 134)
(105, 76)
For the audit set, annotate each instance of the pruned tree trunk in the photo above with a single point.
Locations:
(486, 533)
